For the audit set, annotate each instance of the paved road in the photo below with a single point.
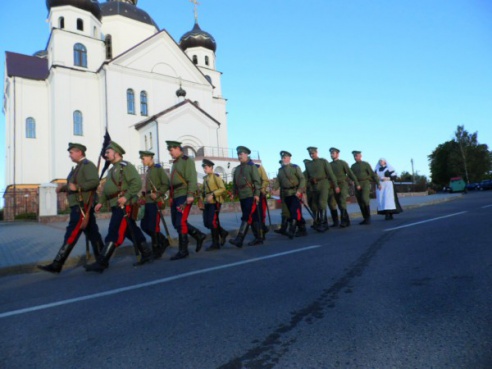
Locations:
(410, 293)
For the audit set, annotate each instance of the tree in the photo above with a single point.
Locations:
(461, 157)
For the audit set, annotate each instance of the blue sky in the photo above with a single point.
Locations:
(391, 78)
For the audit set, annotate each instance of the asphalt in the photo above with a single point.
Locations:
(23, 245)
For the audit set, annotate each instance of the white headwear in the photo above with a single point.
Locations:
(388, 167)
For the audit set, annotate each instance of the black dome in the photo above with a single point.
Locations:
(126, 10)
(196, 37)
(87, 5)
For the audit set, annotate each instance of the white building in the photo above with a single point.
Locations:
(109, 66)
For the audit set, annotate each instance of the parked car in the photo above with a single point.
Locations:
(486, 185)
(473, 186)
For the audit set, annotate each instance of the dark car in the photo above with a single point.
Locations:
(473, 186)
(486, 184)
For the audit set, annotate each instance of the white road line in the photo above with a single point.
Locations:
(151, 283)
(486, 206)
(425, 221)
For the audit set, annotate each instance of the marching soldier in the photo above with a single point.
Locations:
(123, 183)
(285, 215)
(182, 194)
(265, 182)
(342, 173)
(81, 188)
(155, 186)
(319, 175)
(213, 191)
(365, 176)
(246, 184)
(292, 185)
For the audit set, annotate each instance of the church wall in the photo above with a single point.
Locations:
(29, 159)
(125, 33)
(72, 91)
(92, 26)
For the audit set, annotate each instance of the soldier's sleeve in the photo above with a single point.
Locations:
(302, 180)
(255, 177)
(190, 177)
(134, 181)
(264, 178)
(330, 174)
(163, 182)
(102, 199)
(351, 175)
(220, 186)
(90, 176)
(234, 185)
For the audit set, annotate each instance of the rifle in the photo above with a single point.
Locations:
(171, 240)
(307, 208)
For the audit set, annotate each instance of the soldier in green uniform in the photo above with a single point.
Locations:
(285, 215)
(343, 173)
(182, 195)
(246, 184)
(123, 184)
(156, 185)
(320, 176)
(213, 191)
(365, 175)
(292, 186)
(265, 182)
(81, 188)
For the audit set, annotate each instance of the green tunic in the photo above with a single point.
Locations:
(122, 180)
(343, 173)
(213, 184)
(156, 181)
(291, 180)
(365, 175)
(246, 181)
(319, 174)
(84, 176)
(183, 177)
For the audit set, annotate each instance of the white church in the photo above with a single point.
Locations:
(108, 66)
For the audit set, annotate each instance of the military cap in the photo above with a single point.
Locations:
(146, 153)
(334, 149)
(117, 148)
(173, 144)
(244, 149)
(74, 145)
(285, 153)
(355, 152)
(208, 163)
(312, 148)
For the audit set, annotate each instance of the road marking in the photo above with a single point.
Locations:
(425, 221)
(486, 206)
(151, 283)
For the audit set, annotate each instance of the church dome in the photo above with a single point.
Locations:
(126, 9)
(87, 5)
(196, 37)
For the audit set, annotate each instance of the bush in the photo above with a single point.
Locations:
(1, 215)
(26, 216)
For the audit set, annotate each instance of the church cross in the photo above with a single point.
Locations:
(195, 10)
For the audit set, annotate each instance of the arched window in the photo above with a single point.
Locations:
(130, 101)
(61, 22)
(143, 103)
(108, 41)
(78, 127)
(195, 59)
(206, 60)
(30, 128)
(80, 24)
(80, 55)
(188, 151)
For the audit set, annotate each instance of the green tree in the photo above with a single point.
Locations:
(463, 156)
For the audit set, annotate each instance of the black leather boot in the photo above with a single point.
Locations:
(60, 258)
(215, 240)
(102, 261)
(223, 236)
(146, 254)
(97, 247)
(283, 227)
(323, 226)
(334, 217)
(291, 232)
(345, 220)
(258, 240)
(301, 229)
(183, 248)
(163, 243)
(243, 230)
(366, 214)
(156, 249)
(198, 236)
